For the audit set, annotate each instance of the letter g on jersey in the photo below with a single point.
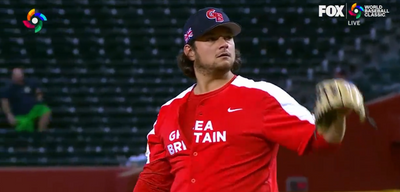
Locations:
(331, 10)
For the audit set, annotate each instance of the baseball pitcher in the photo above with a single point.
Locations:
(223, 133)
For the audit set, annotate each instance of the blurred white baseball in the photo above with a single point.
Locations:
(34, 20)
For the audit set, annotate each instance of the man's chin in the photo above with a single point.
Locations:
(223, 66)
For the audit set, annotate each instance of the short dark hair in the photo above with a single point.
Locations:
(186, 65)
(16, 67)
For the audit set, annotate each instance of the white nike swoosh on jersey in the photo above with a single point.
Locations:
(233, 110)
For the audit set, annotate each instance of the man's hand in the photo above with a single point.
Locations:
(336, 98)
(11, 119)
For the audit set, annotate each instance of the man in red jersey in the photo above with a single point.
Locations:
(223, 133)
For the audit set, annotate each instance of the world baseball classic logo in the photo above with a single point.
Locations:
(35, 20)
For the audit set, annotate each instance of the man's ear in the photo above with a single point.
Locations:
(189, 52)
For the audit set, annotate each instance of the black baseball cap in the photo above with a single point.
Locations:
(205, 20)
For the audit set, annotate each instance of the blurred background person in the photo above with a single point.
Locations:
(340, 73)
(22, 103)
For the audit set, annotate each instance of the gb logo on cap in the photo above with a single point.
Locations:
(212, 14)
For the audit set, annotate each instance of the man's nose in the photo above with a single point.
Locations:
(224, 43)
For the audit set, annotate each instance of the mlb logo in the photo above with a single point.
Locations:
(188, 35)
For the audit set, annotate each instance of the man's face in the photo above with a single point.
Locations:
(17, 75)
(215, 51)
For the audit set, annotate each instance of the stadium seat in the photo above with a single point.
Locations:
(108, 65)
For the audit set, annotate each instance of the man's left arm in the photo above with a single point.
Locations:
(291, 125)
(39, 94)
(38, 90)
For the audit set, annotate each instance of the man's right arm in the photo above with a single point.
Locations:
(5, 104)
(156, 175)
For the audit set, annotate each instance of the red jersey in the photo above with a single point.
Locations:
(225, 140)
